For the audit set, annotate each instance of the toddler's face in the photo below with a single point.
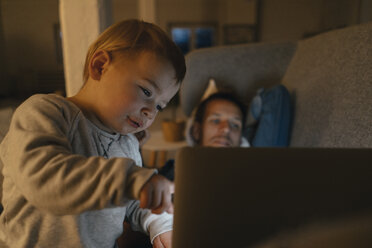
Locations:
(133, 90)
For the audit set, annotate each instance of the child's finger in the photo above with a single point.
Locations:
(169, 203)
(145, 197)
(159, 208)
(156, 199)
(170, 210)
(171, 188)
(166, 204)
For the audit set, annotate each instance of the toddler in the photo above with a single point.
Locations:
(72, 167)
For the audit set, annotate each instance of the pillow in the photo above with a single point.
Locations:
(211, 89)
(272, 111)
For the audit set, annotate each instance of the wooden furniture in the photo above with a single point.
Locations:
(159, 148)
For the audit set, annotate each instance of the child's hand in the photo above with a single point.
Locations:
(156, 195)
(142, 136)
(164, 240)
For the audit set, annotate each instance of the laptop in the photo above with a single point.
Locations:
(238, 197)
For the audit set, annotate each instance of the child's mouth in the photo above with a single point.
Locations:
(134, 123)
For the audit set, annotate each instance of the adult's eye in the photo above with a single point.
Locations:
(215, 121)
(236, 126)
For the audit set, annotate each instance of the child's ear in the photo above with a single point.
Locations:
(100, 60)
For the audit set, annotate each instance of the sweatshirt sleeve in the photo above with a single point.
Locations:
(38, 158)
(145, 221)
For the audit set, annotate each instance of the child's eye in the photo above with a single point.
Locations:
(146, 92)
(159, 108)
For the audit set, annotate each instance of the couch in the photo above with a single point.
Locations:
(329, 77)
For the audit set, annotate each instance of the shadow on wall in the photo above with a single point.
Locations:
(32, 68)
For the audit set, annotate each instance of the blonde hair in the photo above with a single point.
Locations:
(135, 36)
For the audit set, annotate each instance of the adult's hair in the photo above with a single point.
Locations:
(227, 96)
(133, 37)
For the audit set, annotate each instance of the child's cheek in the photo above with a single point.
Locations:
(148, 123)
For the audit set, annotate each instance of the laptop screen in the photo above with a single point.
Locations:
(237, 197)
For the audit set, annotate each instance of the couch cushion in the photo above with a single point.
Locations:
(244, 68)
(330, 77)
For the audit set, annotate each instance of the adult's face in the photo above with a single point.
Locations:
(222, 124)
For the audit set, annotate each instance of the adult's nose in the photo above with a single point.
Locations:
(224, 127)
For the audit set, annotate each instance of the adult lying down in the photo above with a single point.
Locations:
(217, 122)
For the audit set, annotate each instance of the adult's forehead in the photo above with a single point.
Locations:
(219, 104)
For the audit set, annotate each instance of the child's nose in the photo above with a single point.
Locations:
(149, 113)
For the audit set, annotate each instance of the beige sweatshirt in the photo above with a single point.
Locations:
(68, 181)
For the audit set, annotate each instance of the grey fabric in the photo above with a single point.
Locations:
(243, 68)
(331, 80)
(50, 149)
(329, 76)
